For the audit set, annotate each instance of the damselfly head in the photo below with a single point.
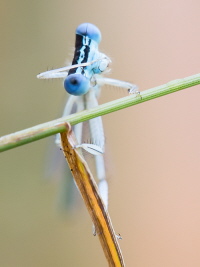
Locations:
(89, 30)
(77, 84)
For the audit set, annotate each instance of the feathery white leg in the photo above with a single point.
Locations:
(97, 134)
(132, 88)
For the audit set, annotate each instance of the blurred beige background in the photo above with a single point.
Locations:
(153, 148)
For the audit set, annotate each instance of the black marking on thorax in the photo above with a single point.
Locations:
(79, 44)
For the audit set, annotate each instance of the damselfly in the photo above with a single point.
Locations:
(83, 80)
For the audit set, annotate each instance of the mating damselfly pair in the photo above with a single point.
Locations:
(83, 81)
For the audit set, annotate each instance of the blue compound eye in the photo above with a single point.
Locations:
(76, 84)
(90, 30)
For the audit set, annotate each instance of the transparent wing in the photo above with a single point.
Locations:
(68, 196)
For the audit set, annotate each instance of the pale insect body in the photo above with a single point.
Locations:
(82, 80)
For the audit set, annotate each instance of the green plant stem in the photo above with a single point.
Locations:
(50, 128)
